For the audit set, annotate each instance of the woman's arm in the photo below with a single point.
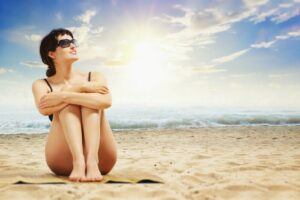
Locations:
(69, 95)
(93, 87)
(89, 87)
(39, 89)
(91, 100)
(53, 109)
(96, 100)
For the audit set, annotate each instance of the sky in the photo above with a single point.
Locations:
(180, 53)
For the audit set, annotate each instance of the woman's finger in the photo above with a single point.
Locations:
(104, 91)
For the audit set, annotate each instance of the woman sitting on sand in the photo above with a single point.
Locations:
(80, 143)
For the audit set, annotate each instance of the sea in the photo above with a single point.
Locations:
(139, 117)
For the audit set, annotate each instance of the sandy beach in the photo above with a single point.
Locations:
(258, 162)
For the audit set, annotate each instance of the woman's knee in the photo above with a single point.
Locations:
(70, 108)
(108, 166)
(61, 170)
(88, 110)
(59, 165)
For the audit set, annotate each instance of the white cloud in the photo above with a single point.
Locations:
(288, 35)
(212, 66)
(254, 3)
(241, 75)
(86, 17)
(24, 35)
(33, 37)
(230, 57)
(85, 32)
(269, 44)
(260, 17)
(263, 44)
(209, 69)
(284, 16)
(276, 13)
(294, 33)
(197, 28)
(285, 5)
(4, 70)
(279, 75)
(33, 64)
(97, 30)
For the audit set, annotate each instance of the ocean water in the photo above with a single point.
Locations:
(140, 117)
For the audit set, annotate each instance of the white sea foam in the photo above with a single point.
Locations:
(140, 117)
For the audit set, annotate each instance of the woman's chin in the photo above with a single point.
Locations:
(73, 59)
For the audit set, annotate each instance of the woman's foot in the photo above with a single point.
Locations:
(93, 172)
(78, 172)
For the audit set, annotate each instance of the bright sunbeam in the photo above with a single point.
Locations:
(148, 65)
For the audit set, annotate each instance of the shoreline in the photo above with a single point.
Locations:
(177, 129)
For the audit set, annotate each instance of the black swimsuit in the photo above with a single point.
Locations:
(51, 116)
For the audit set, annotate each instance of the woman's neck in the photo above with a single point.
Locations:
(64, 72)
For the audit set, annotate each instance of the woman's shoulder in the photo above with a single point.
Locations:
(38, 81)
(39, 84)
(92, 75)
(97, 73)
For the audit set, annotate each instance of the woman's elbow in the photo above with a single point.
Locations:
(107, 104)
(43, 112)
(103, 105)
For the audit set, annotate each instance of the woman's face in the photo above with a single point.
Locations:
(67, 54)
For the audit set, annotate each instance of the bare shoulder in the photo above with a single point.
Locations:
(98, 76)
(39, 89)
(80, 73)
(39, 84)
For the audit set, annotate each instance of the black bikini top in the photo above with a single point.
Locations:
(51, 116)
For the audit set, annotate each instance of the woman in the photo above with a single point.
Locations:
(80, 143)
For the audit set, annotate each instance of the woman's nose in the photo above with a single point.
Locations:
(72, 46)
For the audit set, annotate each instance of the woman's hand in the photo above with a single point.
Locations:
(101, 89)
(85, 88)
(95, 88)
(51, 99)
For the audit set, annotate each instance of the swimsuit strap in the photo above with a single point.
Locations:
(89, 76)
(48, 84)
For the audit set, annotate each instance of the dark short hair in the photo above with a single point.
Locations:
(49, 43)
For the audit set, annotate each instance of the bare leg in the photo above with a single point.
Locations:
(91, 131)
(70, 118)
(108, 146)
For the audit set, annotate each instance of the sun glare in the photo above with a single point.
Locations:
(148, 65)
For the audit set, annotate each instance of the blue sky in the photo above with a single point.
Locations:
(208, 53)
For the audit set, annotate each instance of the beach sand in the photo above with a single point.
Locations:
(258, 162)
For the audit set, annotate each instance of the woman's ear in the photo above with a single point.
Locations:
(51, 54)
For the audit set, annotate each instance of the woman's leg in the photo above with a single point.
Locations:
(97, 131)
(108, 147)
(70, 119)
(91, 132)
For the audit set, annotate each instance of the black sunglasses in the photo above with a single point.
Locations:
(66, 43)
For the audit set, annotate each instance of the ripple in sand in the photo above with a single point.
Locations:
(241, 187)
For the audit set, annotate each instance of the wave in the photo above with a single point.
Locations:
(209, 122)
(156, 119)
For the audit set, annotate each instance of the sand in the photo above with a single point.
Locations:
(261, 162)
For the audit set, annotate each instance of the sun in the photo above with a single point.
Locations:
(147, 68)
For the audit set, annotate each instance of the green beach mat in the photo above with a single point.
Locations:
(122, 176)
